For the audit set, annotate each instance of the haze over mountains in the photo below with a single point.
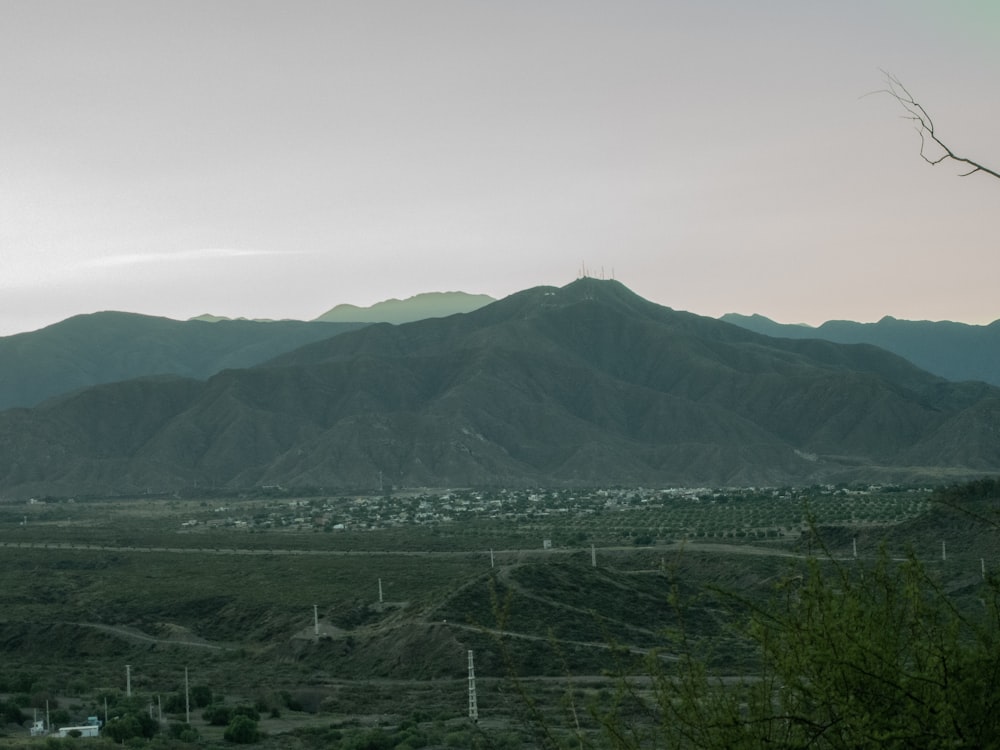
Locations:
(587, 384)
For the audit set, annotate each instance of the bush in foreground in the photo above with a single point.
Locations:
(850, 655)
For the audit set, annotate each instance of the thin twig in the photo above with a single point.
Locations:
(924, 125)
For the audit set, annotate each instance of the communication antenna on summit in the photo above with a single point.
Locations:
(473, 706)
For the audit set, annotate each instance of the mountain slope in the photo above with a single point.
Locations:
(105, 347)
(956, 351)
(587, 384)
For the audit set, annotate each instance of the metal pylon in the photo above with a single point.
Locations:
(473, 707)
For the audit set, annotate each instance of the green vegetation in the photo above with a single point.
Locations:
(731, 638)
(846, 656)
(242, 730)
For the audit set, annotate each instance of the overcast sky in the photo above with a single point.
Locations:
(274, 159)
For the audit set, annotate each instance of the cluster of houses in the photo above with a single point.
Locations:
(363, 512)
(367, 512)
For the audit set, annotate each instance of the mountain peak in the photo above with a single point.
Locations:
(606, 292)
(565, 386)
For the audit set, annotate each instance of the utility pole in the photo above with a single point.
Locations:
(316, 621)
(187, 699)
(128, 680)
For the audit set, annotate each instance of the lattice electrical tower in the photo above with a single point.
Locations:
(473, 707)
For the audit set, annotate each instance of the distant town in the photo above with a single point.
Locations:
(755, 512)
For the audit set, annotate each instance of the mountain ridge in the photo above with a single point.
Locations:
(95, 348)
(107, 346)
(417, 307)
(587, 384)
(956, 351)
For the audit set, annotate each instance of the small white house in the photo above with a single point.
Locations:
(87, 730)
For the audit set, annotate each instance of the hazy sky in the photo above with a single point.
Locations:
(273, 159)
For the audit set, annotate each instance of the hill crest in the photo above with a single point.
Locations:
(956, 351)
(417, 307)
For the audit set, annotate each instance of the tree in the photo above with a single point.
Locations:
(924, 125)
(242, 730)
(201, 696)
(848, 655)
(10, 713)
(123, 728)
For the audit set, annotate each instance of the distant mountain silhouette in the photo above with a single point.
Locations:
(956, 351)
(419, 307)
(104, 347)
(588, 384)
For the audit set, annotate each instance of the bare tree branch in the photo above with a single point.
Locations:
(924, 125)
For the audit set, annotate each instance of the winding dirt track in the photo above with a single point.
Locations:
(131, 634)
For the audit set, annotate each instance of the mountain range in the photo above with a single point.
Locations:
(105, 347)
(956, 351)
(587, 384)
(109, 346)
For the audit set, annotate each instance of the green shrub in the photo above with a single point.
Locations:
(218, 715)
(242, 730)
(847, 655)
